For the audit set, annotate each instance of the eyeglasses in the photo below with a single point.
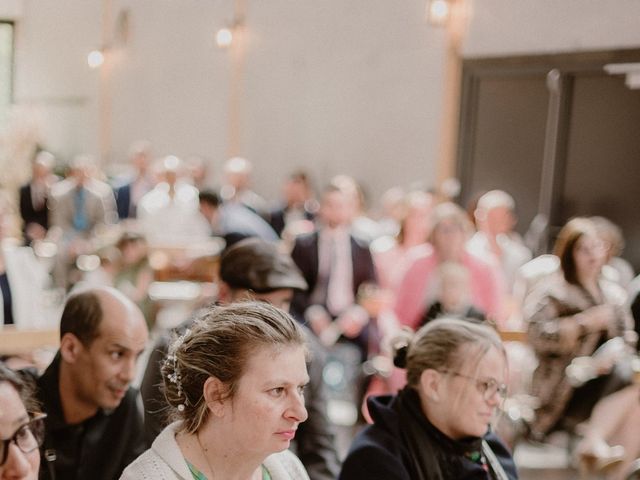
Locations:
(27, 438)
(488, 388)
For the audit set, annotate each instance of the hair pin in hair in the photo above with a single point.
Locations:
(175, 377)
(400, 357)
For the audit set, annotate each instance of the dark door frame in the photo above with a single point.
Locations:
(560, 71)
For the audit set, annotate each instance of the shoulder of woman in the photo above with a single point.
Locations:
(285, 466)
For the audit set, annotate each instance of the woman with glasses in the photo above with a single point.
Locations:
(439, 426)
(21, 431)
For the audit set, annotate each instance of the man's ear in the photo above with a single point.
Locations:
(214, 393)
(431, 384)
(70, 347)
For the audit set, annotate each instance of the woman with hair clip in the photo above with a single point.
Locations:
(21, 430)
(234, 382)
(438, 426)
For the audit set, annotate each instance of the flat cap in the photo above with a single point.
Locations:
(258, 265)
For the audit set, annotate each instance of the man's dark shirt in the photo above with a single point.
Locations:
(98, 448)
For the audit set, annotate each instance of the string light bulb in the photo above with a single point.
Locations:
(95, 58)
(438, 12)
(224, 37)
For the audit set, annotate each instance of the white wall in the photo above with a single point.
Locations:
(514, 27)
(337, 86)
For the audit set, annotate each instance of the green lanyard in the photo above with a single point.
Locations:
(198, 475)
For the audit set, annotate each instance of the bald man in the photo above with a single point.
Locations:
(94, 426)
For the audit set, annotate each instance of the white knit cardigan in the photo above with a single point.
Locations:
(164, 461)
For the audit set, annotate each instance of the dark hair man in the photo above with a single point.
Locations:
(93, 427)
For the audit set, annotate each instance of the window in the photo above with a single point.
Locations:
(6, 67)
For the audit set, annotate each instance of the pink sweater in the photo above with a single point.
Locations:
(414, 296)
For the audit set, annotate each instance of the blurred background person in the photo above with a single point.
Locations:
(129, 194)
(231, 221)
(569, 316)
(23, 279)
(453, 299)
(393, 254)
(496, 239)
(133, 274)
(298, 203)
(34, 198)
(234, 382)
(236, 187)
(450, 231)
(616, 268)
(81, 207)
(198, 171)
(169, 214)
(335, 264)
(439, 425)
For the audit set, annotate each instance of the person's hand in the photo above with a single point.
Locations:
(35, 231)
(352, 321)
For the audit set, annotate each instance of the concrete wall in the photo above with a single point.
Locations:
(337, 86)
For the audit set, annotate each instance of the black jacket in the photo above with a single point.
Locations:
(380, 451)
(306, 256)
(31, 214)
(100, 447)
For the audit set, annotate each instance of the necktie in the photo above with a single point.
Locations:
(339, 288)
(80, 221)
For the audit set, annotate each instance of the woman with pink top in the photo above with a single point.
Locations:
(420, 285)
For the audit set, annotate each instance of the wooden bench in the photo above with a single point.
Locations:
(14, 341)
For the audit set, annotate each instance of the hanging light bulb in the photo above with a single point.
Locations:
(224, 37)
(95, 58)
(438, 12)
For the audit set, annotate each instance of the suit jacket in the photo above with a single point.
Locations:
(123, 201)
(306, 256)
(28, 212)
(277, 218)
(100, 204)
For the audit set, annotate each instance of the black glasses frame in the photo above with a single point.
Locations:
(35, 426)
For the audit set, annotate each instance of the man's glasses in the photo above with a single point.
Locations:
(27, 438)
(488, 388)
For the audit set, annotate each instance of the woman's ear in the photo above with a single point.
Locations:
(431, 384)
(214, 395)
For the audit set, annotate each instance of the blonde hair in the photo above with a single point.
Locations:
(444, 344)
(219, 344)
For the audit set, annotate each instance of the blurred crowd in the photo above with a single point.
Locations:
(569, 316)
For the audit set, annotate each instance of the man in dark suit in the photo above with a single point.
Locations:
(129, 194)
(335, 264)
(34, 198)
(299, 203)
